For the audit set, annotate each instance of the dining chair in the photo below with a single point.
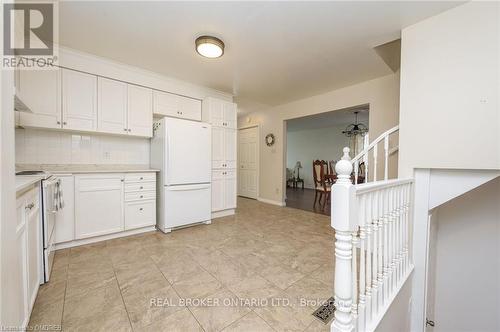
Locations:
(322, 184)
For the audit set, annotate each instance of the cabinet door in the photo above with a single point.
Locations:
(65, 218)
(98, 205)
(230, 148)
(18, 305)
(165, 104)
(189, 108)
(230, 189)
(229, 115)
(112, 106)
(140, 214)
(34, 248)
(79, 100)
(140, 111)
(218, 148)
(217, 190)
(213, 111)
(40, 90)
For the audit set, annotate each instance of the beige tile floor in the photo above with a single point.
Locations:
(264, 269)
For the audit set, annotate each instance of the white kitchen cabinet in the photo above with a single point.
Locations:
(112, 106)
(99, 202)
(79, 100)
(223, 190)
(140, 200)
(140, 111)
(219, 113)
(40, 90)
(65, 218)
(25, 258)
(230, 189)
(168, 104)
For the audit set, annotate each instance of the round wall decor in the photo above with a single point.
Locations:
(270, 139)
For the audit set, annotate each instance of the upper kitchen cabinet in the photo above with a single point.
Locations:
(167, 104)
(219, 112)
(40, 90)
(79, 100)
(112, 106)
(140, 111)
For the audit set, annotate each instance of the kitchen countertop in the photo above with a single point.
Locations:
(91, 168)
(24, 181)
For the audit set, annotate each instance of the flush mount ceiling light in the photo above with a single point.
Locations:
(209, 47)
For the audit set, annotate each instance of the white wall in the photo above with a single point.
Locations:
(308, 145)
(35, 146)
(450, 69)
(467, 262)
(397, 317)
(382, 94)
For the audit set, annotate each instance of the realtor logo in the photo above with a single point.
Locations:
(29, 35)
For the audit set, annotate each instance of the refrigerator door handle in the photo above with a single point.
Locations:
(189, 187)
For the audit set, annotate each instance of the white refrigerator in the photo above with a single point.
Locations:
(181, 150)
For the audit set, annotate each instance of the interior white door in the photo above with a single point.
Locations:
(112, 106)
(40, 90)
(79, 100)
(248, 162)
(188, 146)
(140, 111)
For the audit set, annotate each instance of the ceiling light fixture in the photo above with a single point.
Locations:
(209, 47)
(355, 128)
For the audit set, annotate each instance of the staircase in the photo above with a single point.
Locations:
(372, 223)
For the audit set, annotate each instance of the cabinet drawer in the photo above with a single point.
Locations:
(227, 164)
(140, 214)
(140, 186)
(136, 196)
(139, 177)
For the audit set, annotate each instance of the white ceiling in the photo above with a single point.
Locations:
(276, 52)
(339, 118)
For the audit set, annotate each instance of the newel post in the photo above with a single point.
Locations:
(343, 220)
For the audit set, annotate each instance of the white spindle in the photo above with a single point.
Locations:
(343, 221)
(354, 268)
(386, 157)
(356, 171)
(369, 252)
(375, 162)
(362, 262)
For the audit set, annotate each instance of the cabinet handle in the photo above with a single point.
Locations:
(30, 206)
(140, 209)
(122, 180)
(124, 129)
(141, 178)
(141, 196)
(141, 187)
(65, 123)
(58, 122)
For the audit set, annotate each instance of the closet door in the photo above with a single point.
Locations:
(140, 111)
(79, 100)
(112, 106)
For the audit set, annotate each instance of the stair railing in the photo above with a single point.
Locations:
(363, 156)
(372, 223)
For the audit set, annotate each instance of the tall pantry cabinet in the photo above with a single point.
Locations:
(221, 115)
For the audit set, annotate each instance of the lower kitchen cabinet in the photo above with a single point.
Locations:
(105, 203)
(25, 270)
(223, 190)
(98, 205)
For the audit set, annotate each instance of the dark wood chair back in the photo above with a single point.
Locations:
(320, 169)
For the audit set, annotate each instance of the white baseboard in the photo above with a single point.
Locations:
(224, 213)
(95, 239)
(270, 201)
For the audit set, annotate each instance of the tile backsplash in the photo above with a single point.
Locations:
(35, 146)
